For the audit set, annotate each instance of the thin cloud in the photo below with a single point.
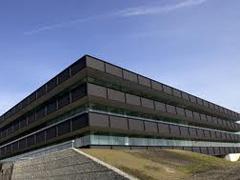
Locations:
(136, 11)
(139, 11)
(61, 25)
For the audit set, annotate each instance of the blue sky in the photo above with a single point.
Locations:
(189, 44)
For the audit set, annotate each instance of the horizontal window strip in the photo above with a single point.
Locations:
(45, 128)
(132, 99)
(52, 105)
(100, 112)
(152, 120)
(51, 84)
(133, 141)
(125, 74)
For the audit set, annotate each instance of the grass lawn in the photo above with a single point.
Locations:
(166, 163)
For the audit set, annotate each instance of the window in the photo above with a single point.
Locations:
(30, 141)
(9, 129)
(51, 84)
(15, 146)
(63, 76)
(22, 144)
(8, 149)
(79, 122)
(78, 92)
(40, 113)
(51, 133)
(77, 66)
(63, 101)
(63, 128)
(16, 125)
(52, 106)
(32, 97)
(40, 137)
(41, 91)
(31, 118)
(23, 122)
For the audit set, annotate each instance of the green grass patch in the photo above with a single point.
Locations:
(160, 164)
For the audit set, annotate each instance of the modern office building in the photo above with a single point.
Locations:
(107, 106)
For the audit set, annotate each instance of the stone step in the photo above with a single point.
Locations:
(50, 157)
(67, 164)
(84, 168)
(67, 161)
